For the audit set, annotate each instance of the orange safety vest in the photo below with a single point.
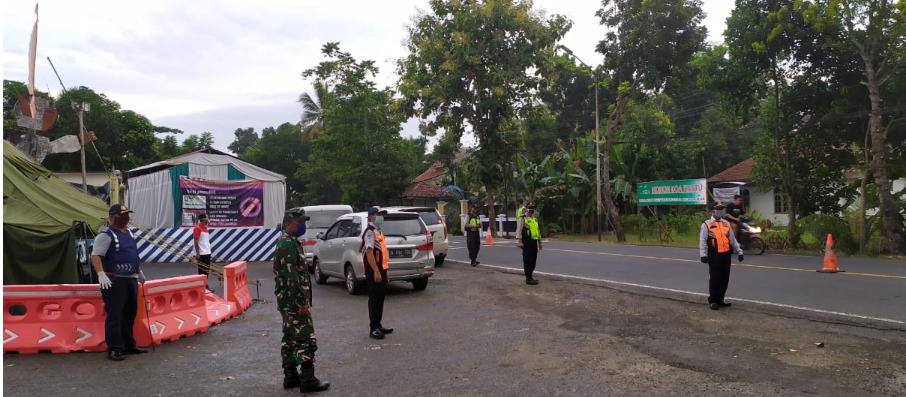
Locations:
(380, 256)
(719, 235)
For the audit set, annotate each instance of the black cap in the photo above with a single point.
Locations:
(119, 209)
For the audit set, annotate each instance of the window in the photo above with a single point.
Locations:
(345, 225)
(781, 203)
(356, 227)
(746, 199)
(332, 233)
(400, 226)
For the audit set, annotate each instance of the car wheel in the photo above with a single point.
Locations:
(353, 286)
(320, 278)
(420, 284)
(439, 260)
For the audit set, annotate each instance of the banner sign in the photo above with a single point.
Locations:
(227, 203)
(684, 192)
(725, 194)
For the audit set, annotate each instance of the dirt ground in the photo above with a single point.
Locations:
(483, 332)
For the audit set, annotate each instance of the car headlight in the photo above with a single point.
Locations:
(755, 229)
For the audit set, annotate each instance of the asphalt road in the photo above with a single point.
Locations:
(869, 289)
(483, 332)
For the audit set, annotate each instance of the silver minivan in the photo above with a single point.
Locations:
(338, 252)
(322, 216)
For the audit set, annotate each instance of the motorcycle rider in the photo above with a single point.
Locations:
(734, 212)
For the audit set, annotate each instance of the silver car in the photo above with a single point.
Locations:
(338, 252)
(322, 216)
(438, 227)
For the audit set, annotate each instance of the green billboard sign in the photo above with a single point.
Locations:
(683, 192)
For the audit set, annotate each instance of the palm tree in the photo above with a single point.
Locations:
(314, 109)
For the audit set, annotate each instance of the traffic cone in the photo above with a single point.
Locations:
(830, 258)
(488, 240)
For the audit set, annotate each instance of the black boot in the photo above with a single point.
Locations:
(308, 381)
(290, 378)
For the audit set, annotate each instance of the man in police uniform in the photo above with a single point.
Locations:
(528, 234)
(473, 235)
(292, 285)
(115, 254)
(520, 208)
(716, 247)
(375, 258)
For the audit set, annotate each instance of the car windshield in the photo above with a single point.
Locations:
(430, 217)
(323, 219)
(402, 227)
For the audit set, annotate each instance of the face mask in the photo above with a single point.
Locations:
(378, 220)
(120, 220)
(300, 229)
(720, 213)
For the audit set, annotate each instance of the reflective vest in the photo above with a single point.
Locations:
(122, 255)
(520, 211)
(530, 229)
(474, 221)
(718, 235)
(381, 255)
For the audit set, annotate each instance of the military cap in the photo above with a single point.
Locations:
(298, 214)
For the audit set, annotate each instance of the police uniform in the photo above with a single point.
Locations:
(292, 285)
(716, 247)
(118, 253)
(373, 239)
(473, 237)
(529, 234)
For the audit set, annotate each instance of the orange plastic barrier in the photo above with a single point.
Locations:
(488, 240)
(235, 288)
(219, 309)
(177, 309)
(58, 318)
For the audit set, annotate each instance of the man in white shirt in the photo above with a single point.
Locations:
(203, 245)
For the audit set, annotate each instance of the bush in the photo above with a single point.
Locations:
(777, 239)
(818, 226)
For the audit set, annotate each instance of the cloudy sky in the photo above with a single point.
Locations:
(200, 67)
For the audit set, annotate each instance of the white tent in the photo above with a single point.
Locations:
(153, 193)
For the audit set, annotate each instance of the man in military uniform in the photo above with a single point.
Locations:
(716, 247)
(473, 235)
(292, 285)
(529, 237)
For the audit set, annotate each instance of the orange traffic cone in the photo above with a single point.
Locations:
(488, 240)
(830, 257)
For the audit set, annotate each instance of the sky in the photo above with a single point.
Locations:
(199, 67)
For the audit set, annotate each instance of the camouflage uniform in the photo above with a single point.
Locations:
(292, 285)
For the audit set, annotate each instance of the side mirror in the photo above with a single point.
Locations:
(320, 236)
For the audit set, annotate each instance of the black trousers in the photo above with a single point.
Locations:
(376, 293)
(719, 270)
(473, 242)
(529, 257)
(121, 305)
(206, 259)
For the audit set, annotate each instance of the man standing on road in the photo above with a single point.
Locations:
(115, 254)
(203, 246)
(520, 208)
(473, 235)
(529, 237)
(292, 285)
(375, 258)
(716, 247)
(734, 211)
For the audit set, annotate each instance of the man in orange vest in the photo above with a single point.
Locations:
(375, 258)
(717, 243)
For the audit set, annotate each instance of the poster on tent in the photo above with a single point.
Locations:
(683, 192)
(227, 203)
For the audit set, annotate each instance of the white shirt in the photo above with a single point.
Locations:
(203, 238)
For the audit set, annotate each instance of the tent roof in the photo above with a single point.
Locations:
(208, 156)
(36, 199)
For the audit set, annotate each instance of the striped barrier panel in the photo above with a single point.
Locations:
(59, 318)
(245, 244)
(219, 309)
(177, 309)
(235, 286)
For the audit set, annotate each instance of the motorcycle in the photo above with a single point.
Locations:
(750, 236)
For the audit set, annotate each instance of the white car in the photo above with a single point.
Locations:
(438, 227)
(410, 247)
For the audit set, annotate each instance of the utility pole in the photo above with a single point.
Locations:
(597, 141)
(80, 108)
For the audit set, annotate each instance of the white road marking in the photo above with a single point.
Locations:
(623, 283)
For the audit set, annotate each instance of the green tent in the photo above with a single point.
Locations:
(42, 215)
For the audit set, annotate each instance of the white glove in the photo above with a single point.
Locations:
(141, 277)
(104, 281)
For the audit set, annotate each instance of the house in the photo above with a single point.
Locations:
(425, 190)
(769, 205)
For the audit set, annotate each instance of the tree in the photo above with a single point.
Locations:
(168, 147)
(474, 65)
(190, 144)
(314, 109)
(280, 150)
(246, 138)
(647, 42)
(876, 31)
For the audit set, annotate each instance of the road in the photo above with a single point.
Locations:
(869, 289)
(483, 332)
